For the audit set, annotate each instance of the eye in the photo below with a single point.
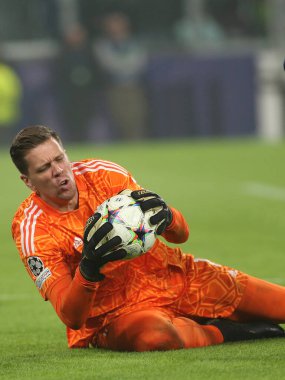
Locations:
(42, 169)
(59, 158)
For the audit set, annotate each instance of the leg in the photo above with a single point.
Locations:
(262, 300)
(153, 329)
(195, 335)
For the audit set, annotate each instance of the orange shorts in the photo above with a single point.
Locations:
(199, 289)
(211, 291)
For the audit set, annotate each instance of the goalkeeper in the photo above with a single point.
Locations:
(162, 300)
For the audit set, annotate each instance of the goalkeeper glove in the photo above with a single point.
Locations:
(94, 258)
(149, 200)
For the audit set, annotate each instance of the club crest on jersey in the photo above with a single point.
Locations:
(36, 265)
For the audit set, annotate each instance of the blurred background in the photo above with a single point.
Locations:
(107, 70)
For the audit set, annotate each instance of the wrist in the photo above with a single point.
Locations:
(89, 271)
(170, 219)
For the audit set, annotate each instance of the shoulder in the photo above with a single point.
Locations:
(33, 229)
(96, 166)
(104, 178)
(29, 213)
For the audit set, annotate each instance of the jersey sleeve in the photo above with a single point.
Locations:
(105, 178)
(114, 178)
(39, 251)
(72, 299)
(119, 179)
(178, 231)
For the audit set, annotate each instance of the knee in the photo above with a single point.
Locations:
(160, 338)
(144, 331)
(157, 333)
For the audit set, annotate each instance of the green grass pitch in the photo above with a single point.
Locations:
(232, 193)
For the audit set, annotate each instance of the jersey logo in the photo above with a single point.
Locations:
(36, 265)
(46, 273)
(77, 242)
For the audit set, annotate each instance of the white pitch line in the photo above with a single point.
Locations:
(265, 191)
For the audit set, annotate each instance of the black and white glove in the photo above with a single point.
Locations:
(149, 200)
(93, 257)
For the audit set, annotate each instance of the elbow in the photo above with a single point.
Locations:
(74, 325)
(182, 237)
(74, 322)
(186, 235)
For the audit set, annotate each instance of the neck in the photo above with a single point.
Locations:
(70, 206)
(63, 205)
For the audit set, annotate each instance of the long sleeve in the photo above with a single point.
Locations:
(72, 299)
(178, 231)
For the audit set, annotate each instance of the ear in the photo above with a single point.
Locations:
(27, 182)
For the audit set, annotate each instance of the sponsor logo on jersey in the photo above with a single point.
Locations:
(46, 273)
(77, 242)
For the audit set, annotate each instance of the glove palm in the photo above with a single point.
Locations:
(149, 200)
(96, 254)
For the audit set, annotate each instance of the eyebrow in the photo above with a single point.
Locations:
(47, 164)
(40, 168)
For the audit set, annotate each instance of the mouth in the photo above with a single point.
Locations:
(63, 183)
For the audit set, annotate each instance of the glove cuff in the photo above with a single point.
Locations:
(89, 272)
(170, 217)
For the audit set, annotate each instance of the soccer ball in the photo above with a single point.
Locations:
(129, 222)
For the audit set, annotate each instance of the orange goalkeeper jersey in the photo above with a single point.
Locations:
(50, 245)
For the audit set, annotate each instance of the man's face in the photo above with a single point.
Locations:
(50, 175)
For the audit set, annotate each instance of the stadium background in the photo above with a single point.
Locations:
(213, 147)
(213, 68)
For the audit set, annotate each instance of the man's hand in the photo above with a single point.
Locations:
(93, 257)
(149, 200)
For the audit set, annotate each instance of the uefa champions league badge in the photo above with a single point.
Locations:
(36, 265)
(38, 269)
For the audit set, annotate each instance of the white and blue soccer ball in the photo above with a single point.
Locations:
(130, 223)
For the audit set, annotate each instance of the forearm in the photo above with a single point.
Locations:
(72, 299)
(178, 231)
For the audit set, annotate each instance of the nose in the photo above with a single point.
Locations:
(57, 170)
